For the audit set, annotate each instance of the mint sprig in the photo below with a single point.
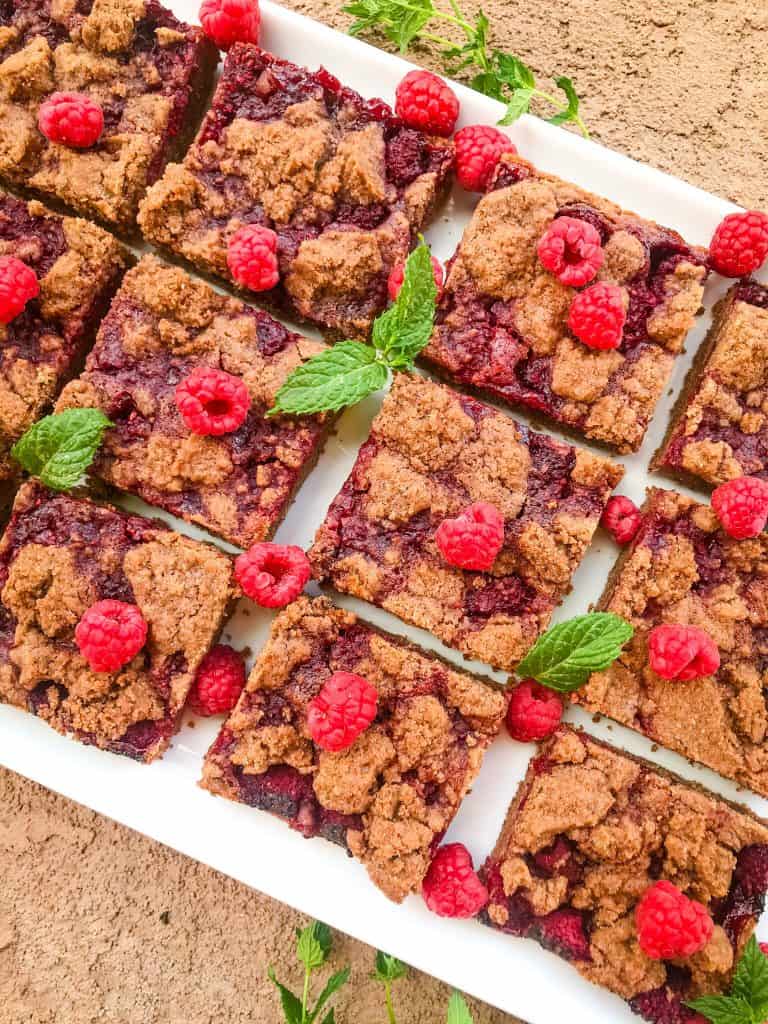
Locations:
(59, 448)
(388, 969)
(313, 946)
(458, 1011)
(747, 1002)
(568, 653)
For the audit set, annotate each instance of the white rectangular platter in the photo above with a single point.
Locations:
(163, 801)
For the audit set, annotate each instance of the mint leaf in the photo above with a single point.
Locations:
(313, 945)
(571, 112)
(329, 1018)
(458, 1011)
(725, 1010)
(565, 656)
(750, 982)
(517, 106)
(513, 71)
(59, 448)
(388, 968)
(333, 984)
(292, 1011)
(339, 376)
(402, 331)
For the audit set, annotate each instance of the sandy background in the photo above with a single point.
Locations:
(98, 924)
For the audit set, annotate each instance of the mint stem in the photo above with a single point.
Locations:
(388, 1000)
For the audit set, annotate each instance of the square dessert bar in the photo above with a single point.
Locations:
(720, 427)
(431, 453)
(389, 797)
(591, 828)
(502, 324)
(78, 267)
(344, 184)
(162, 325)
(683, 568)
(59, 556)
(149, 72)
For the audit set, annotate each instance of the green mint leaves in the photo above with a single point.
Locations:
(388, 969)
(748, 999)
(349, 371)
(458, 1011)
(567, 654)
(313, 946)
(59, 448)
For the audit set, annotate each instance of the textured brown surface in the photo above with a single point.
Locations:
(679, 83)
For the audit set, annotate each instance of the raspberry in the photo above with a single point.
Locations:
(740, 243)
(741, 505)
(669, 924)
(764, 948)
(18, 284)
(109, 634)
(396, 274)
(343, 709)
(272, 575)
(424, 101)
(534, 712)
(230, 21)
(451, 887)
(682, 653)
(478, 149)
(597, 315)
(572, 250)
(212, 402)
(252, 257)
(71, 118)
(219, 682)
(621, 518)
(473, 539)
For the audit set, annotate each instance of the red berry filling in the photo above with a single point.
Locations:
(473, 539)
(272, 575)
(682, 653)
(572, 250)
(211, 401)
(344, 708)
(110, 634)
(451, 887)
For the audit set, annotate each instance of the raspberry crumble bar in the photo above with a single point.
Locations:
(164, 325)
(432, 452)
(343, 183)
(389, 797)
(720, 430)
(58, 557)
(78, 267)
(502, 322)
(149, 72)
(590, 830)
(684, 569)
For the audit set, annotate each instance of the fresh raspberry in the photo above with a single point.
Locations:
(252, 257)
(534, 712)
(424, 101)
(451, 887)
(219, 682)
(396, 275)
(682, 653)
(740, 243)
(478, 149)
(621, 518)
(343, 709)
(572, 250)
(764, 948)
(272, 575)
(212, 402)
(669, 924)
(230, 21)
(109, 634)
(597, 315)
(741, 505)
(18, 284)
(473, 539)
(71, 119)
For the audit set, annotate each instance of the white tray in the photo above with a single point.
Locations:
(163, 801)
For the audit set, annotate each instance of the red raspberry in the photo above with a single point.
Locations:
(682, 653)
(764, 948)
(622, 518)
(572, 250)
(424, 101)
(740, 243)
(396, 275)
(343, 709)
(534, 712)
(669, 924)
(272, 575)
(473, 539)
(18, 284)
(478, 149)
(71, 118)
(252, 257)
(597, 315)
(219, 682)
(741, 505)
(109, 634)
(230, 21)
(212, 402)
(451, 886)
